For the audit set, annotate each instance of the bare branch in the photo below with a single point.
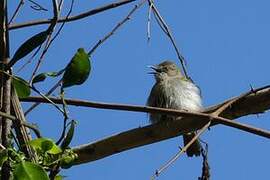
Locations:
(47, 94)
(29, 60)
(205, 168)
(59, 82)
(50, 39)
(229, 103)
(73, 18)
(168, 32)
(16, 12)
(23, 135)
(149, 22)
(150, 134)
(158, 132)
(5, 86)
(13, 118)
(8, 116)
(137, 6)
(4, 58)
(241, 108)
(183, 150)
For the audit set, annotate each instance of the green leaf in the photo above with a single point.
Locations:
(68, 160)
(78, 70)
(69, 135)
(3, 156)
(21, 86)
(58, 177)
(42, 76)
(28, 46)
(55, 149)
(45, 145)
(38, 78)
(29, 171)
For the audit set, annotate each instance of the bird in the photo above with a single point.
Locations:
(173, 90)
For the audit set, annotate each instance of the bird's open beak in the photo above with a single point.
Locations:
(156, 70)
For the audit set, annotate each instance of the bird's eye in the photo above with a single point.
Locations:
(174, 67)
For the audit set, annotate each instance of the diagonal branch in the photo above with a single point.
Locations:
(22, 133)
(163, 25)
(153, 133)
(183, 150)
(107, 36)
(16, 12)
(72, 18)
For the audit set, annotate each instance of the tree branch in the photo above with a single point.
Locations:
(163, 25)
(183, 150)
(153, 133)
(158, 132)
(5, 85)
(16, 12)
(137, 6)
(22, 133)
(72, 18)
(241, 108)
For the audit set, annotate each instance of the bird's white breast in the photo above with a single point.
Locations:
(184, 95)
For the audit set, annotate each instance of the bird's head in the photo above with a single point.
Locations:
(166, 70)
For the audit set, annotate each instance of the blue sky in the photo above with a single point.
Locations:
(226, 45)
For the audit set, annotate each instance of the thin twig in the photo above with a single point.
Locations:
(37, 6)
(37, 91)
(137, 6)
(34, 128)
(15, 139)
(168, 32)
(228, 104)
(13, 118)
(47, 99)
(149, 22)
(41, 58)
(51, 28)
(62, 96)
(29, 60)
(63, 24)
(160, 23)
(56, 11)
(73, 18)
(16, 12)
(205, 168)
(8, 116)
(56, 168)
(183, 150)
(47, 94)
(59, 82)
(60, 4)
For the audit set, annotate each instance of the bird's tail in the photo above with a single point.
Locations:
(195, 148)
